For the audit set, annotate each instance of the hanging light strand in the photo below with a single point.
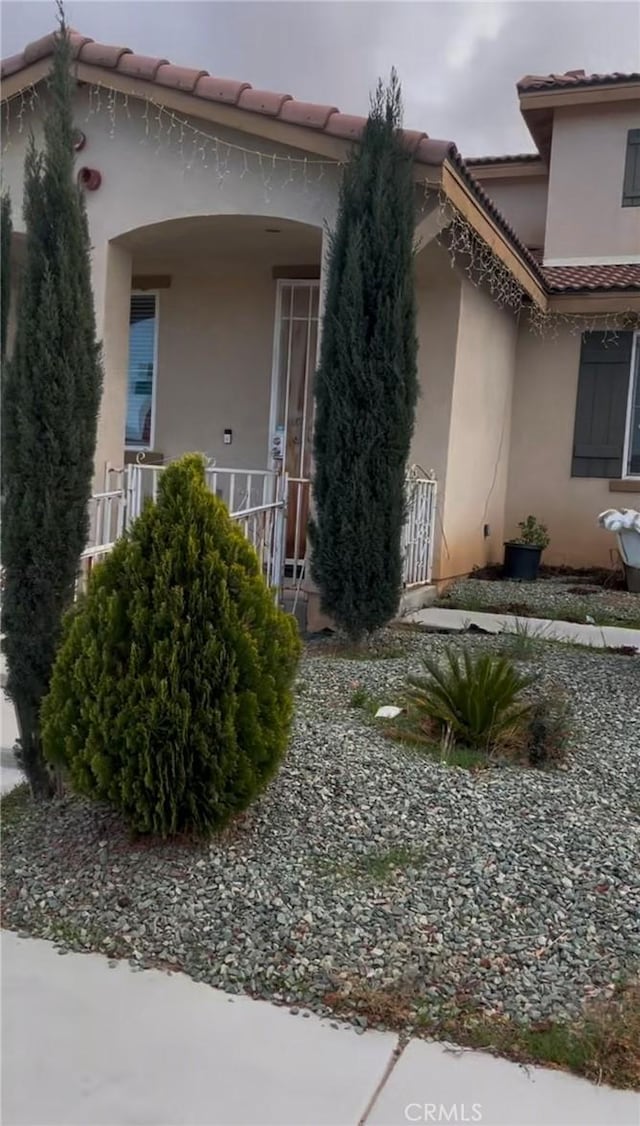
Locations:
(465, 247)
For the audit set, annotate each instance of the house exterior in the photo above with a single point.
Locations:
(209, 204)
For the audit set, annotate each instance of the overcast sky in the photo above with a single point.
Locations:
(458, 62)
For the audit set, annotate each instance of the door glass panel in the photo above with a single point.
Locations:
(297, 373)
(283, 367)
(301, 301)
(285, 301)
(311, 374)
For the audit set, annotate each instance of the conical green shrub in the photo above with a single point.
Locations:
(171, 692)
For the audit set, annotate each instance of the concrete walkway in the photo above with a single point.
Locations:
(546, 629)
(84, 1044)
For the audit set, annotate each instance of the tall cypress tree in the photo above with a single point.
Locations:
(51, 395)
(366, 385)
(5, 269)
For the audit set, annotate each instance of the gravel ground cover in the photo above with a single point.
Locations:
(567, 598)
(367, 866)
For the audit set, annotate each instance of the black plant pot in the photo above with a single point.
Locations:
(521, 561)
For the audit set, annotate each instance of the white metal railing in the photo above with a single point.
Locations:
(418, 532)
(256, 500)
(240, 489)
(272, 510)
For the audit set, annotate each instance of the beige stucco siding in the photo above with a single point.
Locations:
(476, 475)
(438, 310)
(215, 338)
(150, 176)
(524, 205)
(540, 479)
(585, 216)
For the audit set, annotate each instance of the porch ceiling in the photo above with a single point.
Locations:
(228, 237)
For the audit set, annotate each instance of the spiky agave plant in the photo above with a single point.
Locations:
(478, 700)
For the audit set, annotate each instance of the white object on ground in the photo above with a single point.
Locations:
(547, 629)
(625, 522)
(387, 711)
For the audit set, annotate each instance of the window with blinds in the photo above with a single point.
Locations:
(143, 323)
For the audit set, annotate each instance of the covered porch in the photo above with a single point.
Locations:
(222, 318)
(222, 321)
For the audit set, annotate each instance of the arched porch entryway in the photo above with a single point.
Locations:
(222, 342)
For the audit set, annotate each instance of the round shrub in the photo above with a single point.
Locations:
(171, 693)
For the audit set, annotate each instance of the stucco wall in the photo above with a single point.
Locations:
(438, 309)
(540, 479)
(585, 216)
(523, 202)
(479, 437)
(150, 177)
(215, 342)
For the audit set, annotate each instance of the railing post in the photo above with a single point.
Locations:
(280, 535)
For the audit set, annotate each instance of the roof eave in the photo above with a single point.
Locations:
(596, 301)
(233, 117)
(537, 106)
(510, 170)
(552, 97)
(463, 199)
(442, 173)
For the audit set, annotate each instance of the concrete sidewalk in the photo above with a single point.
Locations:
(86, 1044)
(547, 629)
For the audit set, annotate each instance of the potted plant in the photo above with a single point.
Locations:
(522, 554)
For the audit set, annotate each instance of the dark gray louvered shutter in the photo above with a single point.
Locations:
(631, 187)
(601, 407)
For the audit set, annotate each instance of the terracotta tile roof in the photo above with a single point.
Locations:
(201, 84)
(572, 79)
(573, 278)
(509, 158)
(324, 118)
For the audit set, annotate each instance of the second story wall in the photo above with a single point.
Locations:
(523, 202)
(585, 216)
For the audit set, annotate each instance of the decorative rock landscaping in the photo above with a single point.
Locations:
(368, 867)
(572, 598)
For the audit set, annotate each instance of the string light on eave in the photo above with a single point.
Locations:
(164, 127)
(466, 249)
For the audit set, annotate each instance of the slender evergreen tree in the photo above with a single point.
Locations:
(366, 385)
(5, 269)
(51, 395)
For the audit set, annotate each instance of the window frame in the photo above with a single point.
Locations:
(631, 198)
(146, 448)
(634, 389)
